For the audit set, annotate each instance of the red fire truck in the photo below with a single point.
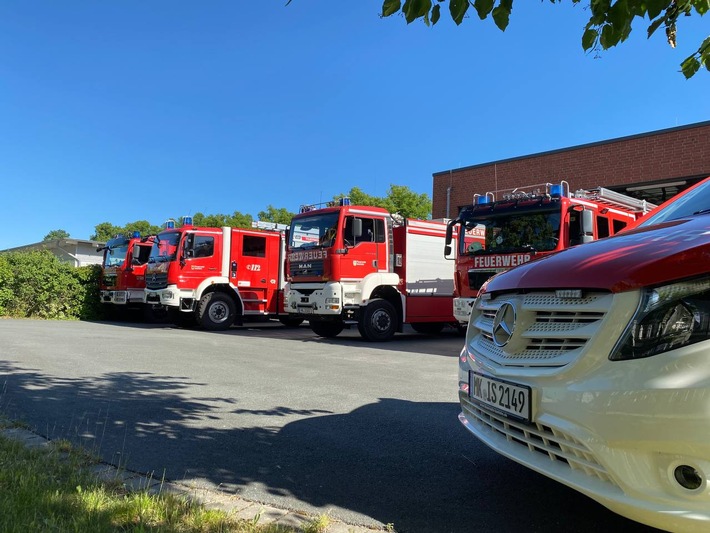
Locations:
(527, 223)
(123, 272)
(355, 265)
(216, 277)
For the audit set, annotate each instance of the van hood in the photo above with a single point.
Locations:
(637, 258)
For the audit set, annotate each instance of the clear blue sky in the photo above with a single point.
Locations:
(117, 111)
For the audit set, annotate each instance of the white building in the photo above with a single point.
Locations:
(75, 251)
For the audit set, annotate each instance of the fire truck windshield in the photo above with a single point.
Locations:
(165, 247)
(511, 232)
(313, 230)
(116, 256)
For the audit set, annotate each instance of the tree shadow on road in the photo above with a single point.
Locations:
(391, 461)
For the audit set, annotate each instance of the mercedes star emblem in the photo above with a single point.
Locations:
(503, 324)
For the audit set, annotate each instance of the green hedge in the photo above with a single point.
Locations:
(38, 285)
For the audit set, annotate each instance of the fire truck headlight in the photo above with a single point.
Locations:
(668, 317)
(332, 300)
(168, 295)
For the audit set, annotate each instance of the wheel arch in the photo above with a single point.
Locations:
(394, 297)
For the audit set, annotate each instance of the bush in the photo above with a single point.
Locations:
(37, 284)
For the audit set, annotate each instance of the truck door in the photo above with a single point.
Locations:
(200, 257)
(257, 257)
(368, 251)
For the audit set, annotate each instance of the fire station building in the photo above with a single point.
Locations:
(651, 166)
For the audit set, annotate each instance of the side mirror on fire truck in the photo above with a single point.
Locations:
(587, 226)
(357, 227)
(449, 238)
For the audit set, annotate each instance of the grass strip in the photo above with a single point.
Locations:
(52, 489)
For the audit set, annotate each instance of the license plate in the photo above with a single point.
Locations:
(500, 395)
(305, 310)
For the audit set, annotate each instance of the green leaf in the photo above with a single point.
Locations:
(589, 38)
(390, 7)
(458, 9)
(501, 14)
(654, 26)
(690, 66)
(609, 37)
(483, 7)
(619, 15)
(414, 9)
(600, 7)
(436, 13)
(656, 7)
(702, 6)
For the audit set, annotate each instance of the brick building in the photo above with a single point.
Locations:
(653, 166)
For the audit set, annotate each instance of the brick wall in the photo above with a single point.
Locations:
(682, 152)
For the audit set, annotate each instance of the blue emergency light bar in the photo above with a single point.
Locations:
(169, 224)
(187, 221)
(557, 190)
(136, 234)
(344, 201)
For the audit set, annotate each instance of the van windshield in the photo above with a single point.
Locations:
(695, 202)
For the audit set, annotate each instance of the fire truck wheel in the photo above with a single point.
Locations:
(215, 311)
(326, 329)
(378, 321)
(290, 322)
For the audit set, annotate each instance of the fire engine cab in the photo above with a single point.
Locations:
(216, 277)
(503, 230)
(123, 272)
(361, 266)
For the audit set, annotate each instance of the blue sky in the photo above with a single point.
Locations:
(121, 111)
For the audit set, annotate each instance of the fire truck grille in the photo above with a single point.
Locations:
(549, 331)
(558, 446)
(156, 281)
(306, 268)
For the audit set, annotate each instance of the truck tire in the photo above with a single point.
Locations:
(326, 329)
(378, 321)
(290, 322)
(428, 328)
(216, 311)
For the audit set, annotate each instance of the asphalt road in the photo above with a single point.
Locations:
(365, 432)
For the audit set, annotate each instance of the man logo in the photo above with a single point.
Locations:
(503, 324)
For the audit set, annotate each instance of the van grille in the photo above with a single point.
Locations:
(538, 438)
(549, 331)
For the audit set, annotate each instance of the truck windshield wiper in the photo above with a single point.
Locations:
(702, 212)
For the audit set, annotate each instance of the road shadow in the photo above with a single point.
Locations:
(448, 343)
(392, 461)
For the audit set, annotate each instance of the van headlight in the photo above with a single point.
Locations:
(668, 317)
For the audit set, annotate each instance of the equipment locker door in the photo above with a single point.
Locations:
(257, 271)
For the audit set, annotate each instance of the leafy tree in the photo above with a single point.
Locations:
(105, 231)
(7, 277)
(400, 199)
(143, 227)
(56, 234)
(235, 220)
(609, 24)
(272, 214)
(37, 284)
